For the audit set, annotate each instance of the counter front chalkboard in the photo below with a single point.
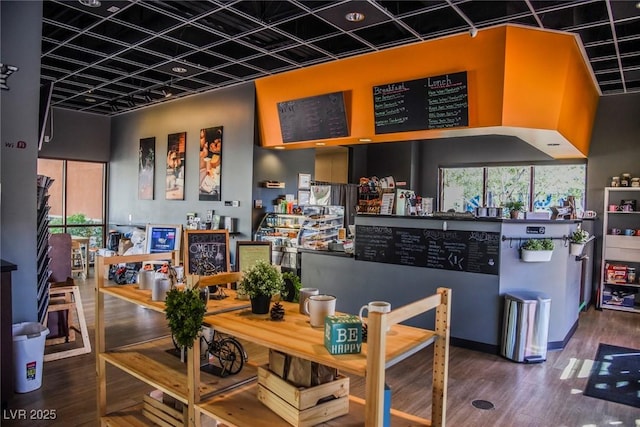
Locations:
(430, 103)
(469, 251)
(316, 117)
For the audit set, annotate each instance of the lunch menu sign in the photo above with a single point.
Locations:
(438, 102)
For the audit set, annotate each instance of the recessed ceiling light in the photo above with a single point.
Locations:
(638, 5)
(279, 147)
(365, 140)
(320, 144)
(179, 70)
(92, 100)
(90, 3)
(354, 17)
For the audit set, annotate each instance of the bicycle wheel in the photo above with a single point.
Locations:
(231, 356)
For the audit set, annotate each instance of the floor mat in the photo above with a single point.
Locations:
(615, 375)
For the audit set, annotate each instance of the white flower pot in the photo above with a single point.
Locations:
(536, 256)
(576, 248)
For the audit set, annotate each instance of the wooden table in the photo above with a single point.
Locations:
(294, 335)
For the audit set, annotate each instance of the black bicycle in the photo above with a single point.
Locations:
(225, 351)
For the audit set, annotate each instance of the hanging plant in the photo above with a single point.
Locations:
(184, 310)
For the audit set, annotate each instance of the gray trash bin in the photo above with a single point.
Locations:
(526, 327)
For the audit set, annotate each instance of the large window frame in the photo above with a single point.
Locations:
(70, 227)
(530, 202)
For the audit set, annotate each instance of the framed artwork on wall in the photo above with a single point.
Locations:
(146, 168)
(209, 184)
(176, 156)
(206, 252)
(304, 181)
(163, 238)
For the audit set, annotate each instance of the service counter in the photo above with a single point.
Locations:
(401, 259)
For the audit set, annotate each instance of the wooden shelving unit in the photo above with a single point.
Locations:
(620, 249)
(233, 400)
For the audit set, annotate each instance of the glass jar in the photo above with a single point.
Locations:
(625, 180)
(615, 181)
(631, 275)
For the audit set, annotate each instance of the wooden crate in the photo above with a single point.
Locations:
(161, 413)
(303, 407)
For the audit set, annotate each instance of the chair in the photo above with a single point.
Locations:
(78, 263)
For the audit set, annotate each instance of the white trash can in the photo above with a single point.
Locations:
(28, 354)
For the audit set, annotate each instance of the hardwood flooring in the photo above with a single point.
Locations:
(538, 395)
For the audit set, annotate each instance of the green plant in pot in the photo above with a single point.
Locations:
(292, 285)
(184, 309)
(537, 250)
(260, 282)
(577, 240)
(514, 207)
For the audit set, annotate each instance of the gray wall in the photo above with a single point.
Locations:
(20, 47)
(234, 109)
(78, 136)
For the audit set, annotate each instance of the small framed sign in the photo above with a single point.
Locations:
(304, 181)
(248, 252)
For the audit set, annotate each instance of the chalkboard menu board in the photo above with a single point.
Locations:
(206, 252)
(431, 103)
(469, 251)
(316, 117)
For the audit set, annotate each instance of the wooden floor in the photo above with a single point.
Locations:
(540, 395)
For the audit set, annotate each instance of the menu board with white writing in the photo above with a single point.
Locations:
(431, 103)
(469, 251)
(315, 117)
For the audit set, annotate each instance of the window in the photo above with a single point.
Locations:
(76, 198)
(539, 186)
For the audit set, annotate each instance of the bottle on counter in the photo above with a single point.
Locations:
(625, 180)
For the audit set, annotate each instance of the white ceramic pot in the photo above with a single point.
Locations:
(576, 248)
(536, 256)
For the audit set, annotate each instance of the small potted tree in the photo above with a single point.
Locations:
(577, 240)
(260, 282)
(514, 207)
(537, 250)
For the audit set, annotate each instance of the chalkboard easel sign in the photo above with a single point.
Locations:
(206, 252)
(315, 117)
(248, 252)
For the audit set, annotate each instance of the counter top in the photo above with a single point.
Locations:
(460, 217)
(8, 266)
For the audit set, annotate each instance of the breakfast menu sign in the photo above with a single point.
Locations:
(431, 103)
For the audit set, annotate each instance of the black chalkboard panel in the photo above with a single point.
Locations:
(469, 251)
(206, 252)
(316, 117)
(431, 103)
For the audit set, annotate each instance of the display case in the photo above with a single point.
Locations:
(282, 231)
(619, 287)
(320, 226)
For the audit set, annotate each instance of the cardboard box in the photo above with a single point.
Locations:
(343, 334)
(301, 406)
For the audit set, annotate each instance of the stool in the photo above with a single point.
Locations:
(65, 302)
(78, 263)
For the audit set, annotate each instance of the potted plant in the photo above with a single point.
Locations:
(292, 285)
(260, 282)
(537, 250)
(514, 207)
(577, 240)
(184, 309)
